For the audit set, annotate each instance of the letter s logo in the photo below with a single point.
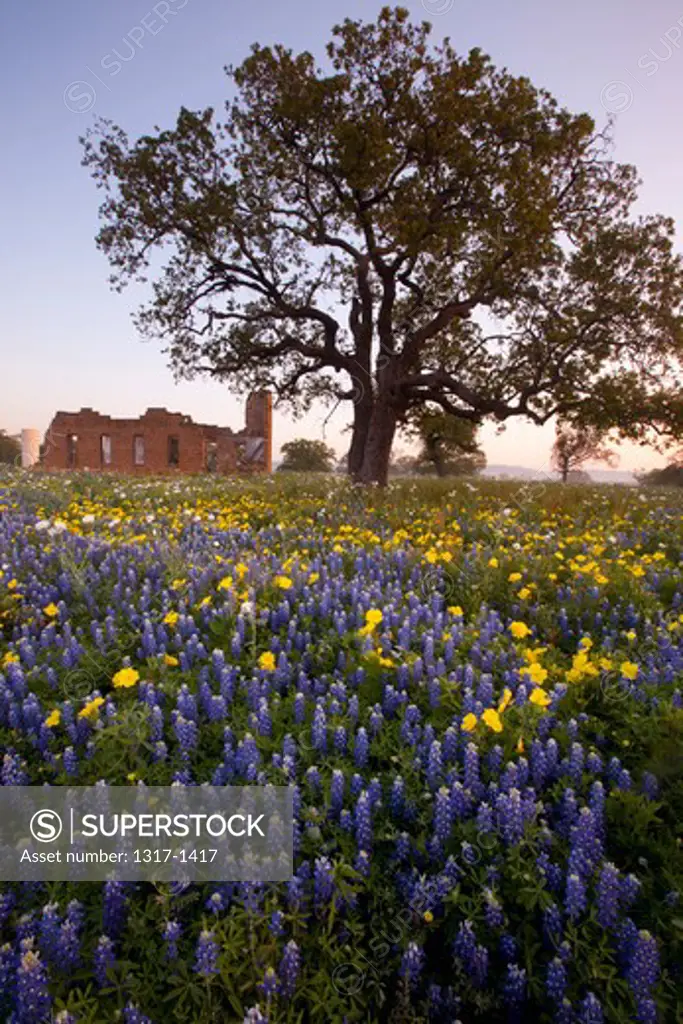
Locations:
(46, 826)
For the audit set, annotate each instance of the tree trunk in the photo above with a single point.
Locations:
(380, 437)
(437, 456)
(359, 437)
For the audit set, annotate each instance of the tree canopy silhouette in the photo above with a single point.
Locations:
(394, 226)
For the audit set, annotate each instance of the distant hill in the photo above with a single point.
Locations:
(598, 476)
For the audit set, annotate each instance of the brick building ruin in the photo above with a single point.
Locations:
(160, 442)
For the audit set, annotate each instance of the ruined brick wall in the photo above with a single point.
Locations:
(159, 442)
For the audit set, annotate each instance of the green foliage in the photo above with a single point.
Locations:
(305, 456)
(10, 450)
(348, 230)
(575, 444)
(669, 476)
(448, 444)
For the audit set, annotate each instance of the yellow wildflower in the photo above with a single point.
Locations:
(519, 630)
(536, 673)
(170, 660)
(125, 678)
(267, 661)
(469, 723)
(170, 618)
(492, 719)
(539, 697)
(225, 583)
(54, 718)
(505, 701)
(629, 669)
(92, 708)
(51, 610)
(514, 577)
(283, 582)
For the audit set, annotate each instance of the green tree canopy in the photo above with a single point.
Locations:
(398, 225)
(307, 456)
(448, 445)
(10, 450)
(576, 444)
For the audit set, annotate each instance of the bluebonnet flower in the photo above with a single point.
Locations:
(442, 816)
(8, 968)
(471, 769)
(187, 734)
(586, 844)
(67, 952)
(397, 797)
(646, 1010)
(509, 817)
(627, 935)
(403, 846)
(608, 896)
(104, 959)
(465, 943)
(254, 1016)
(514, 987)
(32, 996)
(172, 932)
(643, 968)
(360, 748)
(290, 966)
(556, 980)
(363, 822)
(575, 899)
(493, 911)
(323, 882)
(590, 1010)
(206, 954)
(629, 890)
(48, 930)
(70, 761)
(270, 984)
(114, 908)
(412, 963)
(319, 729)
(434, 765)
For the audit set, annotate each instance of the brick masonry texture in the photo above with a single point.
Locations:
(89, 440)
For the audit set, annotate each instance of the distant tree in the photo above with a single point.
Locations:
(576, 444)
(306, 456)
(668, 476)
(402, 464)
(351, 226)
(448, 445)
(579, 476)
(10, 449)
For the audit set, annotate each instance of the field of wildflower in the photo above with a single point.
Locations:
(474, 689)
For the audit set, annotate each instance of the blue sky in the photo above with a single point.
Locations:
(68, 341)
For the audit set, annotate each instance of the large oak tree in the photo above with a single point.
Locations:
(395, 226)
